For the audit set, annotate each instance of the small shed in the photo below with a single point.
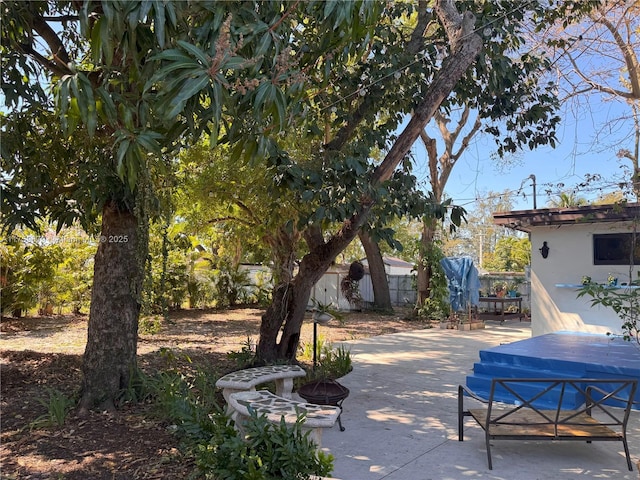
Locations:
(327, 289)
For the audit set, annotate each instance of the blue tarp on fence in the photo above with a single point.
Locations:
(464, 284)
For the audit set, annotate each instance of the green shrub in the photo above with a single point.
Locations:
(305, 352)
(267, 452)
(624, 302)
(245, 356)
(332, 363)
(188, 402)
(433, 309)
(230, 285)
(436, 306)
(58, 406)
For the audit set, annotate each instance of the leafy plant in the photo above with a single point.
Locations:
(320, 307)
(328, 308)
(262, 289)
(28, 268)
(58, 406)
(514, 284)
(624, 302)
(349, 285)
(188, 401)
(306, 348)
(245, 356)
(139, 388)
(332, 363)
(499, 288)
(436, 306)
(268, 451)
(150, 325)
(230, 283)
(433, 309)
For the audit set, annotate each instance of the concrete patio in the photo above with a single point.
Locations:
(401, 417)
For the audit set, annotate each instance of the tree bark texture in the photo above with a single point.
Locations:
(110, 355)
(379, 280)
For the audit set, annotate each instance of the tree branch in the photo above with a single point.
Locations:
(313, 236)
(595, 85)
(53, 67)
(467, 138)
(414, 46)
(245, 208)
(62, 18)
(628, 53)
(432, 159)
(232, 218)
(275, 26)
(466, 45)
(58, 52)
(345, 133)
(455, 25)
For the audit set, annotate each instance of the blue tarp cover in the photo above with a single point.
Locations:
(464, 284)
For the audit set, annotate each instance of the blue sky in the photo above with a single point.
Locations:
(594, 127)
(586, 145)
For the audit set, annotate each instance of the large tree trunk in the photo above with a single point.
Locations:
(290, 299)
(287, 307)
(110, 354)
(379, 280)
(283, 246)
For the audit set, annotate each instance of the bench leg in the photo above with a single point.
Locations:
(626, 452)
(284, 387)
(488, 452)
(238, 423)
(461, 414)
(315, 434)
(226, 393)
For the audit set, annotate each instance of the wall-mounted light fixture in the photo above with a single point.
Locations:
(544, 250)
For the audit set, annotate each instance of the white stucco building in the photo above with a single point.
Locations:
(592, 241)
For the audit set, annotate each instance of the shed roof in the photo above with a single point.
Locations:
(391, 262)
(396, 262)
(525, 220)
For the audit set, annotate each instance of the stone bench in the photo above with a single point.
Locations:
(249, 378)
(275, 408)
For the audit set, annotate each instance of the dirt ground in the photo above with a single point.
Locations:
(43, 353)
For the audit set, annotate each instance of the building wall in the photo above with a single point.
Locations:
(555, 280)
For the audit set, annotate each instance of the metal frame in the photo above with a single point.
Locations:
(511, 421)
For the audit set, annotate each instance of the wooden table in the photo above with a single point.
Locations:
(493, 312)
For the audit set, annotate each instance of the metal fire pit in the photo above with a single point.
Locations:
(325, 392)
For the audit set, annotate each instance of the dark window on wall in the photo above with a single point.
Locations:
(615, 249)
